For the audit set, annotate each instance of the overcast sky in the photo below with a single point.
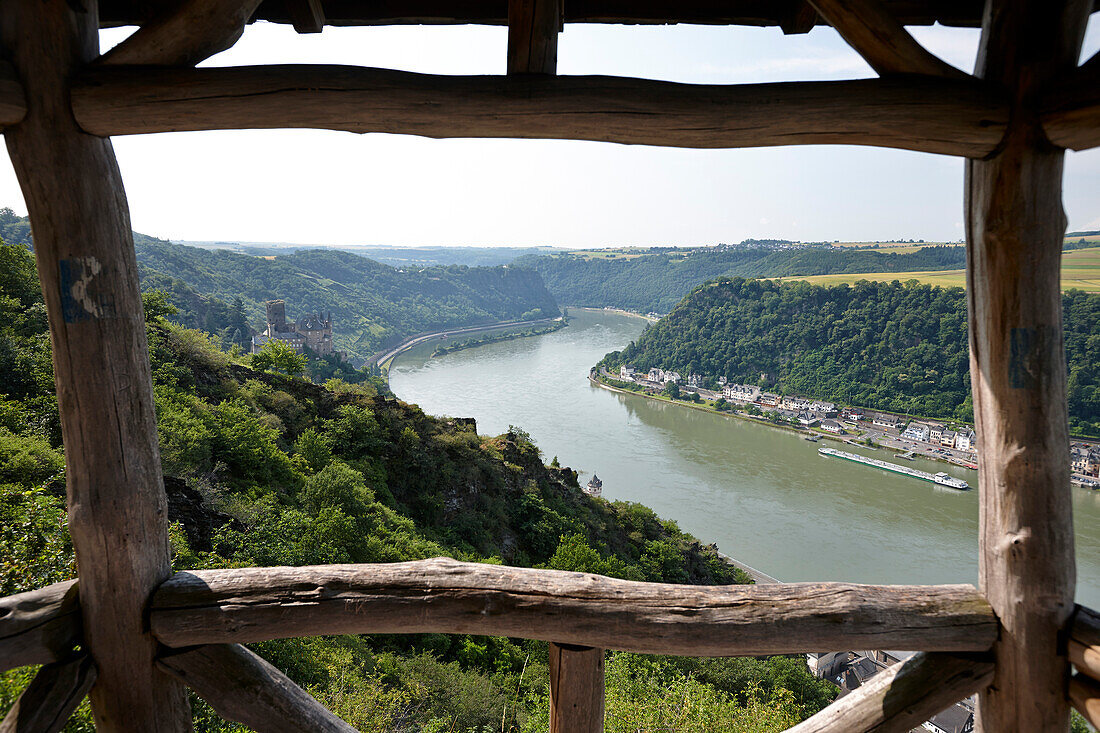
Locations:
(324, 187)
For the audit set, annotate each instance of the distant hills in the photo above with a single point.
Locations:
(373, 305)
(656, 282)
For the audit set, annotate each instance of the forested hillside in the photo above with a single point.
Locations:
(264, 469)
(891, 346)
(656, 282)
(373, 305)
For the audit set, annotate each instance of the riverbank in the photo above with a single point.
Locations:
(619, 311)
(442, 349)
(704, 406)
(385, 358)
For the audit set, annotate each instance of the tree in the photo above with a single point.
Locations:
(276, 355)
(672, 389)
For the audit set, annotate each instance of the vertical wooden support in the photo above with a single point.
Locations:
(576, 689)
(533, 27)
(1015, 225)
(85, 255)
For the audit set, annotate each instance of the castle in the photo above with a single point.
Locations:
(313, 330)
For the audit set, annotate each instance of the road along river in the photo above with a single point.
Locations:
(763, 494)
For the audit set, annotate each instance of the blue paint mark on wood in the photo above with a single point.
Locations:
(72, 275)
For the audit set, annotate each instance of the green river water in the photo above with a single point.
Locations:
(763, 494)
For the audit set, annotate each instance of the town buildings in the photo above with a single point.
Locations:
(1084, 457)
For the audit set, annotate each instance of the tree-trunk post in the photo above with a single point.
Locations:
(1015, 226)
(576, 689)
(86, 263)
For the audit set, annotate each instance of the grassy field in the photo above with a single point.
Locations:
(1080, 270)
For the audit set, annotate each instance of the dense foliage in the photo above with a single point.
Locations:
(656, 282)
(891, 346)
(266, 469)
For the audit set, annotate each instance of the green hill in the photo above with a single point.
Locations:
(373, 305)
(890, 346)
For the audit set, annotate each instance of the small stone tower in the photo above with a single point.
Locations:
(276, 317)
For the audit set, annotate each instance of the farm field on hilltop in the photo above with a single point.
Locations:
(1080, 270)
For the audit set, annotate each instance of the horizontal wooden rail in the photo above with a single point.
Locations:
(445, 596)
(1084, 642)
(903, 696)
(1084, 695)
(39, 626)
(1071, 111)
(955, 117)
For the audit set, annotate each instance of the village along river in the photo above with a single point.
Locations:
(764, 495)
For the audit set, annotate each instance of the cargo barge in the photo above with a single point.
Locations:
(940, 479)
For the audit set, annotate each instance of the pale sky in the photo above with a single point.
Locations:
(321, 187)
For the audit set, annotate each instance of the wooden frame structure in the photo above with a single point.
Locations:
(144, 633)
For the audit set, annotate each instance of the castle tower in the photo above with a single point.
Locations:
(276, 317)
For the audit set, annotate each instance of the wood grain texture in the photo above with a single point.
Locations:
(1084, 696)
(933, 115)
(307, 16)
(1015, 225)
(576, 689)
(184, 35)
(533, 36)
(85, 256)
(39, 626)
(903, 696)
(50, 699)
(1084, 642)
(445, 596)
(966, 13)
(243, 687)
(1071, 109)
(875, 33)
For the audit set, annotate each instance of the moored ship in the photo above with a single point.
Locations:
(940, 479)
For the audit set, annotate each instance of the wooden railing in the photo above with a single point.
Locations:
(202, 617)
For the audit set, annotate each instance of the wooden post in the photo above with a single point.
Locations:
(1015, 226)
(86, 263)
(533, 27)
(576, 689)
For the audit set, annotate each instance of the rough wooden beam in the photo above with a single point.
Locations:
(576, 689)
(244, 688)
(931, 115)
(1084, 695)
(307, 16)
(1071, 110)
(533, 27)
(967, 13)
(184, 35)
(876, 34)
(39, 626)
(444, 596)
(1084, 642)
(801, 18)
(903, 696)
(84, 250)
(1015, 226)
(50, 699)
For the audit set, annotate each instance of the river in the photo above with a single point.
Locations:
(764, 495)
